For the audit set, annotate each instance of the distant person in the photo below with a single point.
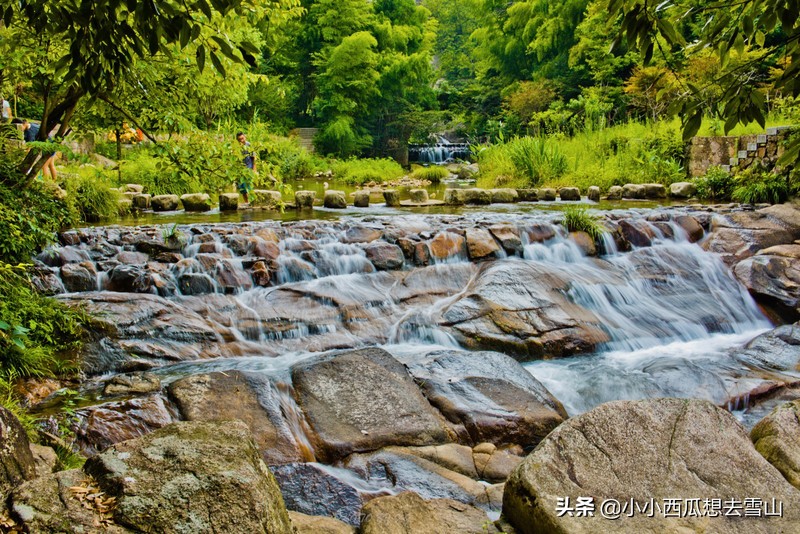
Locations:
(29, 133)
(249, 159)
(6, 113)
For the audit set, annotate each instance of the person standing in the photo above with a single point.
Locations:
(29, 133)
(249, 159)
(6, 111)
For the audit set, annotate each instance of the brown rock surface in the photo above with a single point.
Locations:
(408, 513)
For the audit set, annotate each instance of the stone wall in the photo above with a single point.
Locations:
(731, 152)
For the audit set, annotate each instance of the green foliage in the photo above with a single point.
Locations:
(34, 330)
(362, 171)
(578, 219)
(90, 196)
(715, 184)
(530, 159)
(342, 138)
(29, 218)
(433, 174)
(756, 185)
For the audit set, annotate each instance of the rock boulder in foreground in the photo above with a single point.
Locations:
(682, 454)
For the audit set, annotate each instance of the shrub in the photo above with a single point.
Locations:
(433, 174)
(91, 198)
(578, 219)
(715, 184)
(756, 185)
(362, 171)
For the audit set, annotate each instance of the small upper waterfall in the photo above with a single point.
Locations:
(442, 151)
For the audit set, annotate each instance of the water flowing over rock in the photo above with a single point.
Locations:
(641, 450)
(489, 395)
(773, 277)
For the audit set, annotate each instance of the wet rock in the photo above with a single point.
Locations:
(384, 256)
(634, 191)
(527, 195)
(16, 460)
(129, 279)
(490, 395)
(682, 190)
(98, 427)
(361, 199)
(504, 196)
(69, 238)
(776, 350)
(774, 279)
(361, 234)
(584, 242)
(447, 245)
(508, 236)
(691, 226)
(418, 196)
(637, 233)
(481, 244)
(538, 233)
(51, 504)
(128, 257)
(479, 197)
(740, 235)
(265, 249)
(135, 330)
(141, 201)
(79, 277)
(312, 489)
(422, 254)
(195, 284)
(408, 513)
(397, 469)
(451, 456)
(124, 206)
(132, 384)
(192, 476)
(519, 308)
(238, 244)
(56, 257)
(777, 438)
(335, 199)
(304, 199)
(265, 198)
(231, 277)
(455, 197)
(547, 194)
(250, 398)
(569, 193)
(593, 193)
(228, 201)
(363, 400)
(314, 524)
(260, 273)
(659, 448)
(654, 191)
(392, 198)
(164, 202)
(786, 215)
(45, 459)
(614, 193)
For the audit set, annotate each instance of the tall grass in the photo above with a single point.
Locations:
(526, 161)
(433, 174)
(578, 219)
(362, 171)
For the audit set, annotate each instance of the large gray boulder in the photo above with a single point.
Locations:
(776, 350)
(192, 477)
(777, 438)
(251, 398)
(164, 202)
(569, 193)
(504, 195)
(363, 400)
(773, 277)
(658, 449)
(335, 199)
(682, 190)
(196, 202)
(304, 199)
(633, 191)
(488, 396)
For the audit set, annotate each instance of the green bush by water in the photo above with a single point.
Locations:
(578, 219)
(715, 184)
(756, 185)
(362, 171)
(91, 197)
(433, 174)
